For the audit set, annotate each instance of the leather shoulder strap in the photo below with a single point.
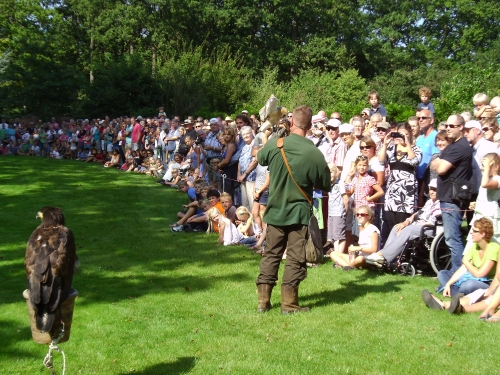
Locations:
(281, 144)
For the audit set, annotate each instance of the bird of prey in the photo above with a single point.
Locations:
(271, 113)
(50, 264)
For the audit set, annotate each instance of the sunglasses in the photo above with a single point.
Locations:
(473, 230)
(451, 126)
(362, 157)
(423, 118)
(365, 147)
(362, 214)
(382, 129)
(485, 129)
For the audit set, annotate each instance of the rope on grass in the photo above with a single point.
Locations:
(47, 361)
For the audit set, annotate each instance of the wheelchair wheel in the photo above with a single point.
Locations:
(406, 269)
(440, 254)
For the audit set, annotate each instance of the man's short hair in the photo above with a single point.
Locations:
(302, 117)
(413, 118)
(182, 183)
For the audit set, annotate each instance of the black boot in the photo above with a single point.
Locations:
(290, 300)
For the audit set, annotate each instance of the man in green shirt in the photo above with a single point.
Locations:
(288, 211)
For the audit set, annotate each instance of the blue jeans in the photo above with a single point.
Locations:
(466, 287)
(452, 221)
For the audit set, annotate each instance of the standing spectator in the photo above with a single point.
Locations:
(288, 211)
(136, 133)
(212, 145)
(228, 166)
(455, 162)
(480, 147)
(334, 149)
(402, 187)
(427, 144)
(173, 135)
(246, 168)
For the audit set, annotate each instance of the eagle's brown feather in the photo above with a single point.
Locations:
(50, 263)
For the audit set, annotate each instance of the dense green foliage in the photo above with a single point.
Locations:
(96, 57)
(154, 302)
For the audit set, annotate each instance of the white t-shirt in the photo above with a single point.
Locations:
(365, 237)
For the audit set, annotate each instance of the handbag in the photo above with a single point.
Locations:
(314, 248)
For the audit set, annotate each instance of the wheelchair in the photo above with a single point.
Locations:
(424, 255)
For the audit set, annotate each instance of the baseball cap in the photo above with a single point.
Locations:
(333, 123)
(473, 124)
(346, 128)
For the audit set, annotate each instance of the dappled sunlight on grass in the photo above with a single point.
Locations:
(158, 302)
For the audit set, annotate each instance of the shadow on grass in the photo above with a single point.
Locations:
(11, 334)
(182, 365)
(120, 222)
(352, 290)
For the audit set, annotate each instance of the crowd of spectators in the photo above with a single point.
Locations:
(382, 173)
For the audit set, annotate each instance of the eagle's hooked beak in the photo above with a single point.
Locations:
(39, 215)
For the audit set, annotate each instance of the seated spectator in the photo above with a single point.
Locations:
(367, 243)
(54, 154)
(114, 162)
(247, 227)
(82, 155)
(155, 168)
(227, 204)
(92, 156)
(188, 209)
(198, 222)
(407, 230)
(478, 265)
(99, 157)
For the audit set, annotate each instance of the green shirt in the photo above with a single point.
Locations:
(3, 134)
(286, 204)
(491, 253)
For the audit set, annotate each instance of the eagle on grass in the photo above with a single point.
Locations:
(50, 264)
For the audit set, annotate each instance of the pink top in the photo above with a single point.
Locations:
(363, 187)
(136, 132)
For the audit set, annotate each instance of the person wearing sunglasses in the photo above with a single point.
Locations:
(367, 242)
(426, 141)
(455, 162)
(489, 126)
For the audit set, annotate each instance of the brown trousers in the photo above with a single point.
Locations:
(278, 238)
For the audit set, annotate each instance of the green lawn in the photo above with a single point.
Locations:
(156, 302)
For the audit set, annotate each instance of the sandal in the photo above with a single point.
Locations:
(484, 317)
(430, 301)
(455, 306)
(494, 319)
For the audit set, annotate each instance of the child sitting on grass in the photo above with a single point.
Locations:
(82, 155)
(198, 222)
(227, 204)
(188, 209)
(92, 155)
(247, 227)
(115, 160)
(228, 233)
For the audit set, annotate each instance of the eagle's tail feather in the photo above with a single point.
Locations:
(44, 320)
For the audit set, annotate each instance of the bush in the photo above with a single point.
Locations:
(342, 91)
